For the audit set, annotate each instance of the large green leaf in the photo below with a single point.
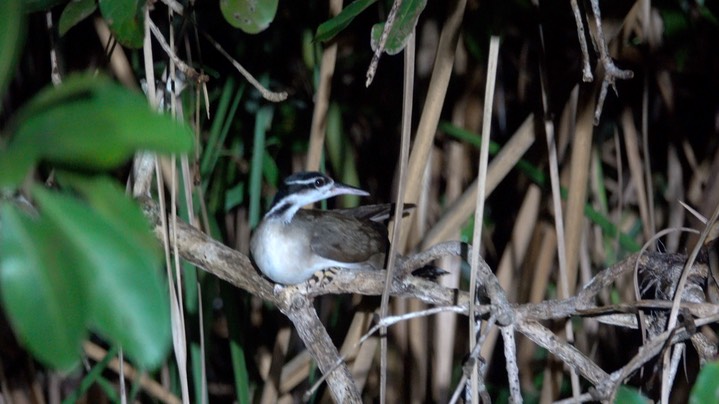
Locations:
(402, 28)
(706, 388)
(328, 29)
(109, 200)
(629, 395)
(251, 16)
(74, 12)
(40, 289)
(88, 123)
(127, 298)
(12, 36)
(126, 19)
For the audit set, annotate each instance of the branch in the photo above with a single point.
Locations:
(266, 94)
(295, 302)
(382, 42)
(611, 71)
(298, 308)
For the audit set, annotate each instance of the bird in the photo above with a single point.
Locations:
(291, 244)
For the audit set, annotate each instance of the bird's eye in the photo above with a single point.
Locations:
(319, 182)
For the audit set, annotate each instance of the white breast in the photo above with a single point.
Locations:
(285, 257)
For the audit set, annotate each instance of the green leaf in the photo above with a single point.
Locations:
(234, 315)
(706, 388)
(706, 12)
(92, 377)
(675, 22)
(12, 36)
(74, 12)
(126, 19)
(630, 395)
(251, 16)
(234, 196)
(40, 289)
(402, 28)
(109, 200)
(127, 298)
(328, 29)
(88, 123)
(263, 120)
(334, 138)
(270, 170)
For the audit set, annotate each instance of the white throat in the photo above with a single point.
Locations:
(285, 209)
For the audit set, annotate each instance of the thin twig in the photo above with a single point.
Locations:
(175, 6)
(611, 71)
(586, 68)
(382, 42)
(266, 94)
(510, 354)
(54, 68)
(149, 385)
(381, 324)
(189, 72)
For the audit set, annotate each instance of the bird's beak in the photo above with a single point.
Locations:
(344, 189)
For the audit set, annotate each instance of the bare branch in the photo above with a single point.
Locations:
(189, 71)
(586, 68)
(266, 94)
(382, 42)
(295, 302)
(611, 71)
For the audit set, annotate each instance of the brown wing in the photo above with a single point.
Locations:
(343, 238)
(376, 213)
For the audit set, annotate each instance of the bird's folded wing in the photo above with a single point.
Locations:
(377, 213)
(345, 239)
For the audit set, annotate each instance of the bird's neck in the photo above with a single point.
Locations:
(284, 210)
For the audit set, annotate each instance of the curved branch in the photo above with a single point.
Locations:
(295, 301)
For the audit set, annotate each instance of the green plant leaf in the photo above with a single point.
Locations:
(233, 313)
(92, 377)
(706, 389)
(630, 395)
(74, 12)
(251, 16)
(126, 19)
(706, 12)
(263, 120)
(328, 29)
(127, 298)
(40, 289)
(12, 36)
(402, 28)
(88, 123)
(109, 200)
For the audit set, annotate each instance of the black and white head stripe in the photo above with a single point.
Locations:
(298, 182)
(304, 188)
(298, 190)
(308, 178)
